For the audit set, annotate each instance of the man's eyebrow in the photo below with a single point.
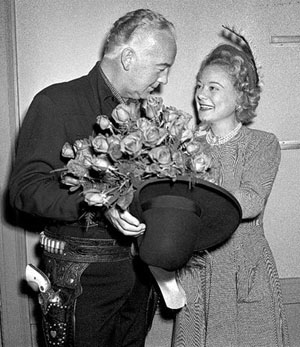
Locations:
(164, 64)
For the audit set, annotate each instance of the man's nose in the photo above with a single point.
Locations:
(163, 78)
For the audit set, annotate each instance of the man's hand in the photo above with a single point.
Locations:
(125, 222)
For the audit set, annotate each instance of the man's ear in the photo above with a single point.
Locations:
(127, 57)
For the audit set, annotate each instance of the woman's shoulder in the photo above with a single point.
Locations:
(260, 136)
(262, 143)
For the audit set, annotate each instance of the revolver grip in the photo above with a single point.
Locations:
(37, 279)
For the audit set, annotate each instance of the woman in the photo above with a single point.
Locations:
(233, 291)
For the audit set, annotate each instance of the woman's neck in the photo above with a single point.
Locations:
(216, 140)
(223, 129)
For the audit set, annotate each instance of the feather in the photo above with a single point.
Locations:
(239, 40)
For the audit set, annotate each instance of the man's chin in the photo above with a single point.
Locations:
(145, 95)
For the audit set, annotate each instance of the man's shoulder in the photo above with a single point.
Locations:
(72, 89)
(67, 88)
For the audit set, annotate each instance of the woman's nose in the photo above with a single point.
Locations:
(203, 94)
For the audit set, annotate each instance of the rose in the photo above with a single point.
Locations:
(114, 149)
(179, 159)
(84, 159)
(169, 171)
(153, 168)
(103, 122)
(175, 129)
(154, 136)
(81, 144)
(132, 143)
(84, 156)
(77, 169)
(193, 147)
(134, 111)
(100, 163)
(176, 120)
(100, 144)
(186, 135)
(121, 114)
(153, 106)
(177, 123)
(171, 115)
(70, 181)
(67, 151)
(73, 183)
(94, 197)
(143, 123)
(201, 162)
(161, 154)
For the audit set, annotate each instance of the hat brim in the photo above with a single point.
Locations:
(182, 217)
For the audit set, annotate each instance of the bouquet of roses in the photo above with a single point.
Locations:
(135, 144)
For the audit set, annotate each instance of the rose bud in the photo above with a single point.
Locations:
(95, 199)
(103, 122)
(153, 135)
(81, 144)
(193, 147)
(161, 154)
(121, 114)
(70, 181)
(132, 144)
(100, 144)
(67, 151)
(153, 106)
(201, 163)
(100, 164)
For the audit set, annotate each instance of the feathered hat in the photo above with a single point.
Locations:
(239, 46)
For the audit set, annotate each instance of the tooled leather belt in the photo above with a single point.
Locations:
(83, 250)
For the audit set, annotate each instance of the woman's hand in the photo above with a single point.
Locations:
(125, 222)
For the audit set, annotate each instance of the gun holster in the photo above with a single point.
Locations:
(58, 303)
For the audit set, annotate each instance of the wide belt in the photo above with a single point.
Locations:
(84, 250)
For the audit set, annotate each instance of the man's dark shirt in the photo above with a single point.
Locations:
(60, 113)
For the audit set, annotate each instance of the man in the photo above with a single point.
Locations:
(99, 297)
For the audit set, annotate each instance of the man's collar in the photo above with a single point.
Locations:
(115, 93)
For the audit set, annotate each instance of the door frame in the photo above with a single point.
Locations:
(15, 319)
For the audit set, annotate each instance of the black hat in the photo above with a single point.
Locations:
(181, 217)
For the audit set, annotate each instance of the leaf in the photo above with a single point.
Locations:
(125, 200)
